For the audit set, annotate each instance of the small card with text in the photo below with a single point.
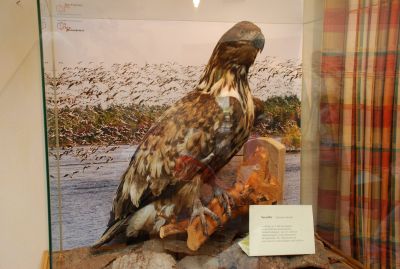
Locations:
(281, 230)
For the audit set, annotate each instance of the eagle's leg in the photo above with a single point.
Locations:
(189, 196)
(200, 211)
(224, 199)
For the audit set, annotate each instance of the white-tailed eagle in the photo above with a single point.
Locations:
(190, 142)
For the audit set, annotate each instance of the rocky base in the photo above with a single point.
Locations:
(222, 251)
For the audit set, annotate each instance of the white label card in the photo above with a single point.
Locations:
(281, 230)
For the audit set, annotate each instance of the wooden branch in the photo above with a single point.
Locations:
(174, 228)
(254, 185)
(353, 263)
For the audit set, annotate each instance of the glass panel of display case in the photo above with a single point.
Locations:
(167, 119)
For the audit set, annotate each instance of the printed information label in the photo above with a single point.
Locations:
(281, 230)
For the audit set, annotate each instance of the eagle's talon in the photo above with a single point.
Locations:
(200, 211)
(225, 200)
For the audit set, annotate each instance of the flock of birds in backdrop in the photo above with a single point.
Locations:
(102, 107)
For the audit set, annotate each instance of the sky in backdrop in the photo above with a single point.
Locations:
(143, 41)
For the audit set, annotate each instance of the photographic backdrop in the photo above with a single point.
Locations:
(108, 80)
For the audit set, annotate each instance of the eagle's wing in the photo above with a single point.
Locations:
(196, 133)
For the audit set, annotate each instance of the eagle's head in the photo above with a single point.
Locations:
(238, 46)
(234, 53)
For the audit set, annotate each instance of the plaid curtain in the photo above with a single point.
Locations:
(359, 185)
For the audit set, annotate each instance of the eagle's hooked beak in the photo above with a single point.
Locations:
(259, 41)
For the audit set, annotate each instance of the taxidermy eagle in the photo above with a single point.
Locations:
(190, 143)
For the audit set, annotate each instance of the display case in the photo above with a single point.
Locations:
(166, 120)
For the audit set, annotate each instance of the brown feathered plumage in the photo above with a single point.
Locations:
(193, 139)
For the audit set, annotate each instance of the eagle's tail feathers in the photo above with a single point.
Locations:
(111, 232)
(132, 224)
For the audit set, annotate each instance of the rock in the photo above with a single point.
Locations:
(234, 257)
(317, 260)
(156, 245)
(275, 262)
(87, 258)
(145, 260)
(198, 262)
(340, 266)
